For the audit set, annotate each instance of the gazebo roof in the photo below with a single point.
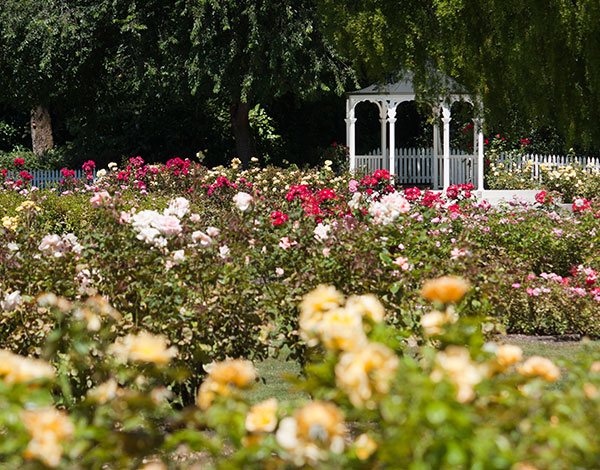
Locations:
(405, 86)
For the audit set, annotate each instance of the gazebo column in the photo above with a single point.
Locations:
(480, 158)
(446, 120)
(351, 134)
(475, 164)
(436, 149)
(391, 113)
(383, 121)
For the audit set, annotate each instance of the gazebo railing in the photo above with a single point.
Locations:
(416, 166)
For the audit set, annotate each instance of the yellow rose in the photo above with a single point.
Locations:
(590, 390)
(19, 369)
(364, 447)
(238, 372)
(366, 371)
(315, 429)
(10, 223)
(341, 329)
(367, 306)
(222, 376)
(104, 392)
(262, 417)
(314, 305)
(540, 366)
(48, 428)
(508, 354)
(143, 347)
(445, 289)
(455, 363)
(433, 322)
(320, 421)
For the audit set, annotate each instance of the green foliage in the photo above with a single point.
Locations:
(255, 51)
(455, 400)
(532, 59)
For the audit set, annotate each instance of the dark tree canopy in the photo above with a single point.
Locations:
(537, 58)
(252, 51)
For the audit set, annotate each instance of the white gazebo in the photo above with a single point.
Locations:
(387, 98)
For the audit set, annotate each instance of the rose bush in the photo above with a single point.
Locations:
(217, 260)
(375, 400)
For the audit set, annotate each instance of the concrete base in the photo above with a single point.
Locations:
(497, 196)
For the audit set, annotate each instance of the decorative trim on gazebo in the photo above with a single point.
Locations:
(388, 97)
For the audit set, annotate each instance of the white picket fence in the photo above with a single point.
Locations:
(514, 162)
(416, 166)
(48, 178)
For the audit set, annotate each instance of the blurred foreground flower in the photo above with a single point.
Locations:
(19, 369)
(143, 347)
(262, 417)
(508, 354)
(313, 307)
(540, 366)
(367, 305)
(47, 428)
(341, 329)
(365, 372)
(455, 363)
(445, 289)
(222, 377)
(364, 447)
(433, 322)
(314, 430)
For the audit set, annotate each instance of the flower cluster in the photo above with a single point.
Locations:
(56, 246)
(459, 192)
(387, 209)
(155, 228)
(380, 183)
(143, 347)
(224, 378)
(48, 428)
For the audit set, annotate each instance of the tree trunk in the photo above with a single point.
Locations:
(244, 145)
(41, 130)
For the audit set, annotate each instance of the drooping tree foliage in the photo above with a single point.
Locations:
(154, 77)
(51, 51)
(537, 59)
(253, 51)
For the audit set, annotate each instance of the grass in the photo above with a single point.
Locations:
(272, 371)
(554, 350)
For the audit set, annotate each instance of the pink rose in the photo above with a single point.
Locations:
(168, 225)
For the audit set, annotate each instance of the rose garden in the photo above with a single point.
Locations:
(299, 234)
(137, 308)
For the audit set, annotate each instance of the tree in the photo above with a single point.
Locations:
(538, 58)
(49, 52)
(251, 51)
(90, 61)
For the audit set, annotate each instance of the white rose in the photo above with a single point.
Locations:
(178, 207)
(179, 255)
(205, 240)
(224, 251)
(242, 201)
(322, 232)
(12, 300)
